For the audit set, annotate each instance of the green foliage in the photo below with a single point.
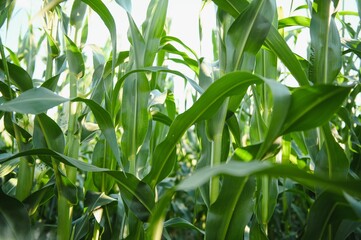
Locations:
(95, 146)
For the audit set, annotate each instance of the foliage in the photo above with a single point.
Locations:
(97, 148)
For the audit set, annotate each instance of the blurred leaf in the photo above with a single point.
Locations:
(14, 219)
(51, 83)
(102, 160)
(127, 5)
(313, 106)
(326, 215)
(54, 48)
(181, 223)
(19, 76)
(39, 197)
(75, 58)
(353, 46)
(33, 101)
(233, 7)
(77, 13)
(294, 21)
(331, 160)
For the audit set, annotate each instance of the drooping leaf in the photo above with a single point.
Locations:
(204, 108)
(242, 169)
(103, 12)
(278, 45)
(105, 124)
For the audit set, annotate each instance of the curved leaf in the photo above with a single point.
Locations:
(278, 45)
(230, 84)
(313, 106)
(19, 76)
(14, 219)
(244, 169)
(105, 124)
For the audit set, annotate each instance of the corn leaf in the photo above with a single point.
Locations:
(14, 219)
(326, 58)
(33, 101)
(313, 106)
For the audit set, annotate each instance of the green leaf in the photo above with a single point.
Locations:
(39, 198)
(294, 21)
(229, 215)
(331, 160)
(75, 58)
(248, 33)
(181, 223)
(19, 76)
(137, 194)
(326, 215)
(242, 169)
(47, 131)
(326, 60)
(313, 106)
(77, 13)
(233, 7)
(100, 159)
(204, 108)
(14, 219)
(105, 124)
(33, 101)
(54, 48)
(278, 45)
(103, 12)
(153, 29)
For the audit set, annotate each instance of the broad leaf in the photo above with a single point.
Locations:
(14, 219)
(313, 106)
(33, 101)
(19, 76)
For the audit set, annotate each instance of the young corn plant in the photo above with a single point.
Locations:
(94, 147)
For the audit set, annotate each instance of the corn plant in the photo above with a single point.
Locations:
(96, 147)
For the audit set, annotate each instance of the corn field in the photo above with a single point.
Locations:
(145, 137)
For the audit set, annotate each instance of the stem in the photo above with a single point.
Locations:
(265, 197)
(26, 168)
(65, 210)
(215, 132)
(215, 160)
